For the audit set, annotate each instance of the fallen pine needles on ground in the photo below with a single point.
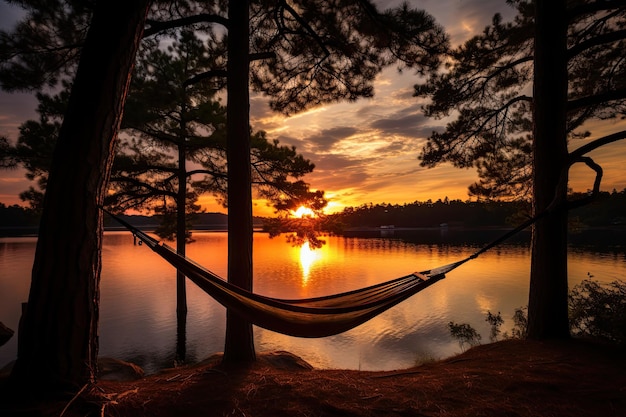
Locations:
(508, 378)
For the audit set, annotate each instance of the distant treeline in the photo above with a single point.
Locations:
(608, 210)
(17, 219)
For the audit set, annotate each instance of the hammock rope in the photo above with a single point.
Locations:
(319, 316)
(336, 313)
(307, 317)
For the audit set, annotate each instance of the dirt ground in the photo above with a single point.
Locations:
(508, 378)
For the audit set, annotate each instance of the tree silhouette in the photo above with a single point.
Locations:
(166, 127)
(173, 124)
(517, 141)
(35, 145)
(301, 54)
(58, 346)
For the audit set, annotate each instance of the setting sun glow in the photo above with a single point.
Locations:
(303, 212)
(307, 257)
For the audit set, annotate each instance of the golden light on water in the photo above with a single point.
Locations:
(138, 295)
(307, 257)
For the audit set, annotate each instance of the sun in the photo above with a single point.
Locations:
(303, 212)
(307, 257)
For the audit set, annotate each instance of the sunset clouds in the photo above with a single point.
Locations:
(364, 151)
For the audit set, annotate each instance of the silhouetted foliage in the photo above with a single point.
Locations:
(520, 323)
(163, 118)
(608, 209)
(598, 311)
(606, 212)
(167, 122)
(495, 322)
(58, 335)
(432, 214)
(303, 53)
(17, 216)
(487, 82)
(44, 47)
(464, 334)
(7, 157)
(569, 54)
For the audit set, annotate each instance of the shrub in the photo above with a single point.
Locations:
(464, 334)
(520, 323)
(495, 320)
(598, 311)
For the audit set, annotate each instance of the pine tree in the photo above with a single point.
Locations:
(518, 95)
(58, 335)
(301, 54)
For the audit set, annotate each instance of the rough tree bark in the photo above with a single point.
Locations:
(239, 344)
(58, 337)
(181, 243)
(547, 304)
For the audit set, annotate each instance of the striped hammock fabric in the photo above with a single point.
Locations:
(306, 317)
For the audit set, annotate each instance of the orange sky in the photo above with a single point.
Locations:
(364, 151)
(368, 151)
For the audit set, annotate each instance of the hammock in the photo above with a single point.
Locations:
(311, 317)
(333, 314)
(306, 317)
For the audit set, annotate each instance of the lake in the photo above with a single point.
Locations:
(138, 299)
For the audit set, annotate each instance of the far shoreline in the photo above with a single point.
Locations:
(32, 231)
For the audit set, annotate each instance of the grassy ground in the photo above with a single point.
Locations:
(508, 378)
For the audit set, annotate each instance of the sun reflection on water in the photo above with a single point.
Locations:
(138, 295)
(307, 257)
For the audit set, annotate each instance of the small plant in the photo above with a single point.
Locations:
(596, 311)
(464, 334)
(599, 311)
(467, 335)
(520, 323)
(496, 321)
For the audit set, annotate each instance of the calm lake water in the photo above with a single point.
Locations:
(138, 300)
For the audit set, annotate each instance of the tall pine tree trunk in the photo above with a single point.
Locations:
(547, 304)
(58, 338)
(239, 344)
(181, 242)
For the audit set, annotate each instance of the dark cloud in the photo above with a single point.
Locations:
(318, 142)
(401, 146)
(325, 139)
(335, 171)
(300, 144)
(406, 123)
(288, 140)
(335, 162)
(368, 111)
